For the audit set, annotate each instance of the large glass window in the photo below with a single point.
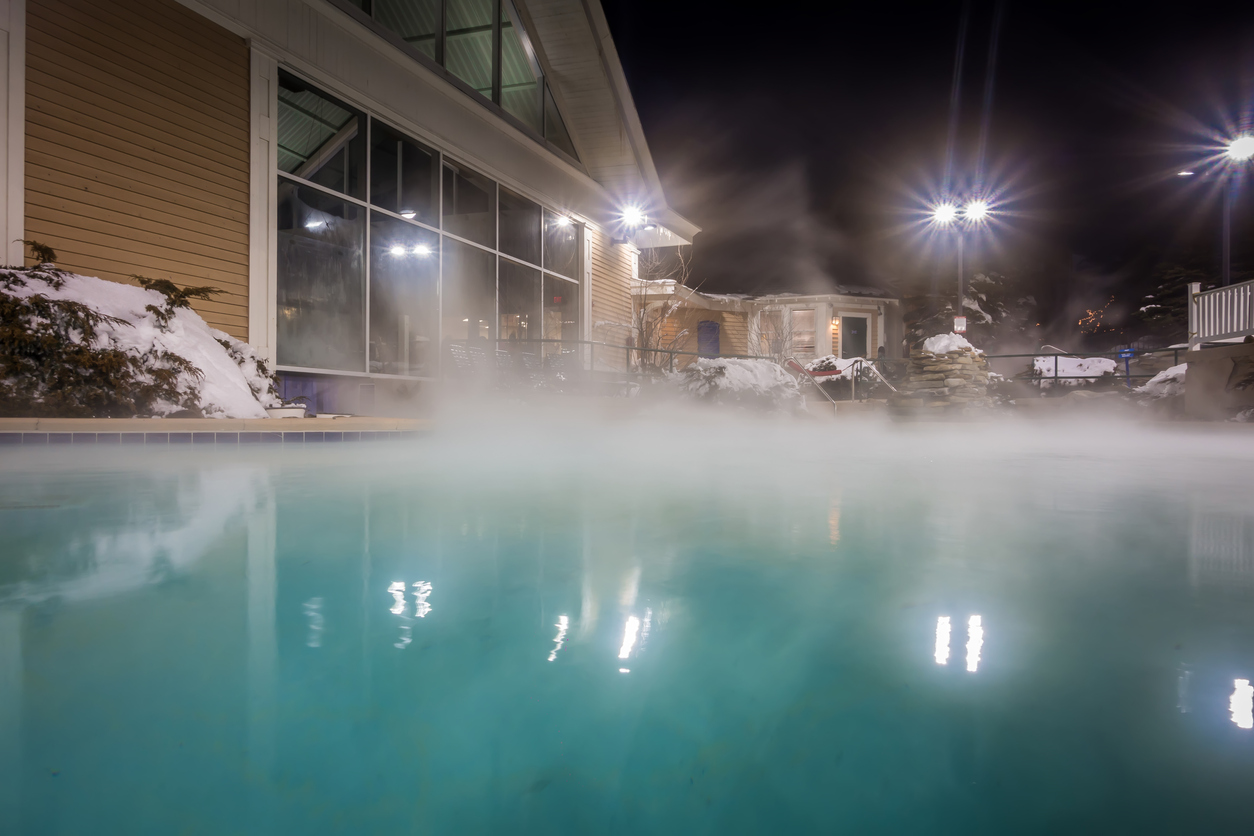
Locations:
(469, 204)
(803, 332)
(484, 44)
(367, 282)
(403, 175)
(520, 227)
(519, 304)
(404, 297)
(469, 297)
(468, 42)
(561, 244)
(416, 21)
(321, 280)
(561, 310)
(320, 139)
(521, 85)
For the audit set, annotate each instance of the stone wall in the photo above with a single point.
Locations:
(957, 380)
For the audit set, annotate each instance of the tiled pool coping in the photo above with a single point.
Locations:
(174, 431)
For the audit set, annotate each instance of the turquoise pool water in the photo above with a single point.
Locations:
(740, 629)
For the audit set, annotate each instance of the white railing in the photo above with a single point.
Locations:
(1221, 313)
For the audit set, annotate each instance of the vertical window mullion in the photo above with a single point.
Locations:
(366, 254)
(496, 51)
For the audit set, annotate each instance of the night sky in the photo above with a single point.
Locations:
(803, 137)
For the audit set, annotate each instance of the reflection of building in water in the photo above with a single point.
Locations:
(1221, 547)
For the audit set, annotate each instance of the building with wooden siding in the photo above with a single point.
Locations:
(365, 182)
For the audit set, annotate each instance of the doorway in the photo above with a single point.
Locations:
(852, 336)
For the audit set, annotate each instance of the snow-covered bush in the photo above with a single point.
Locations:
(76, 346)
(832, 363)
(1166, 384)
(945, 343)
(752, 383)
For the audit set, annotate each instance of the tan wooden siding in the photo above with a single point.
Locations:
(611, 288)
(137, 143)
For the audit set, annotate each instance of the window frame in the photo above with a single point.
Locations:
(491, 103)
(277, 174)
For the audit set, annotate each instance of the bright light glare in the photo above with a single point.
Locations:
(975, 642)
(422, 249)
(977, 210)
(315, 223)
(945, 213)
(942, 640)
(1184, 174)
(562, 624)
(1241, 704)
(562, 220)
(629, 637)
(422, 591)
(397, 589)
(633, 216)
(397, 250)
(1241, 148)
(408, 214)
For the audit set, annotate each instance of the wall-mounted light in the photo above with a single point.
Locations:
(633, 216)
(563, 220)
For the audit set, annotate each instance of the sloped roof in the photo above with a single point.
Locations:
(582, 67)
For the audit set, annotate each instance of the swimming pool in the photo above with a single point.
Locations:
(633, 628)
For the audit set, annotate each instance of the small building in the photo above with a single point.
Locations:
(365, 182)
(848, 322)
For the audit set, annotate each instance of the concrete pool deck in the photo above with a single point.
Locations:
(156, 431)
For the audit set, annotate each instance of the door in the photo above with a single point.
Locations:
(853, 336)
(707, 338)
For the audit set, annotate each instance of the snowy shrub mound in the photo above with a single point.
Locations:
(1072, 371)
(832, 363)
(756, 383)
(76, 346)
(1166, 384)
(945, 343)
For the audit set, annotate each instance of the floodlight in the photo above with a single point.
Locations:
(977, 210)
(945, 213)
(633, 216)
(1241, 148)
(397, 250)
(422, 249)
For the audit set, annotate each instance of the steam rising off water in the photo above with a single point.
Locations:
(674, 623)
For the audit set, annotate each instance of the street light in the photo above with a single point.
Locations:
(948, 214)
(1239, 150)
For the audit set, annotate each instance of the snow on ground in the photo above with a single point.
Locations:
(746, 381)
(229, 389)
(1078, 369)
(832, 363)
(1165, 384)
(945, 343)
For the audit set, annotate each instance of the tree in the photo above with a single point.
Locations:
(656, 301)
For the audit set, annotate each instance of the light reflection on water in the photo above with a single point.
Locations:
(758, 626)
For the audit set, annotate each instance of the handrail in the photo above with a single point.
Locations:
(813, 379)
(870, 364)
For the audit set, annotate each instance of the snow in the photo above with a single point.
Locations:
(1084, 368)
(945, 343)
(728, 378)
(227, 389)
(1166, 383)
(823, 366)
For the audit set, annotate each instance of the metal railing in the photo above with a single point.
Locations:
(1122, 372)
(1220, 313)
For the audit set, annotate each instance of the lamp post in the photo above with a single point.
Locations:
(948, 214)
(1240, 150)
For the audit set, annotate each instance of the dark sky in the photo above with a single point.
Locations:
(801, 137)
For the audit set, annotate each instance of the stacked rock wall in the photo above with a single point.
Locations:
(958, 379)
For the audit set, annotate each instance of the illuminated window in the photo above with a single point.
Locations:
(803, 333)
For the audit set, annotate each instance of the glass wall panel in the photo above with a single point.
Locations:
(469, 205)
(403, 175)
(520, 227)
(404, 303)
(469, 293)
(416, 21)
(321, 280)
(561, 311)
(519, 304)
(320, 139)
(561, 244)
(468, 46)
(521, 85)
(554, 127)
